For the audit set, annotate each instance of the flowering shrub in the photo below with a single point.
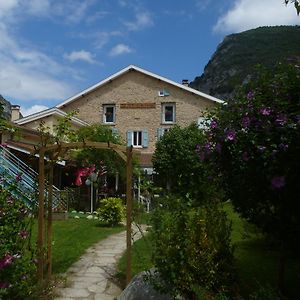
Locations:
(17, 270)
(111, 211)
(254, 143)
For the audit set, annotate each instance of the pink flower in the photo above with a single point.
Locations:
(266, 111)
(246, 121)
(230, 135)
(6, 261)
(23, 234)
(250, 95)
(214, 124)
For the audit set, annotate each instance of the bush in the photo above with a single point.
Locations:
(111, 211)
(192, 246)
(17, 267)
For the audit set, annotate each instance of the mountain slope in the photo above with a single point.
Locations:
(233, 62)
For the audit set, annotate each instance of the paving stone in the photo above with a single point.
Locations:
(90, 277)
(74, 293)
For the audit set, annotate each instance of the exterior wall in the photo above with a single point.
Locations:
(49, 121)
(135, 87)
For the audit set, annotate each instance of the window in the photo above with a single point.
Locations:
(109, 114)
(168, 113)
(163, 93)
(161, 132)
(137, 138)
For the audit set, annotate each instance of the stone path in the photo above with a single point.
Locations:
(91, 277)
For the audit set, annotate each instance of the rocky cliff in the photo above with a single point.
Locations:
(235, 58)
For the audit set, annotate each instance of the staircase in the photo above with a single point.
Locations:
(13, 170)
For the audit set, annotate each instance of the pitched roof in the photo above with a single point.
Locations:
(134, 68)
(48, 112)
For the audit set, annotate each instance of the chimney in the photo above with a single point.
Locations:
(15, 112)
(185, 82)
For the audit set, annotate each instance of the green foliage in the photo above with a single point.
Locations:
(178, 167)
(265, 293)
(88, 156)
(4, 124)
(17, 267)
(257, 137)
(111, 211)
(191, 248)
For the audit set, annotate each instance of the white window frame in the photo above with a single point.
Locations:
(139, 139)
(105, 107)
(164, 105)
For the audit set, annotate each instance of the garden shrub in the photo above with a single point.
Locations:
(17, 258)
(191, 248)
(177, 165)
(111, 211)
(254, 143)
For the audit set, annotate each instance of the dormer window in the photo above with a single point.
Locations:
(109, 114)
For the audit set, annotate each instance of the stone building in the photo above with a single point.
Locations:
(138, 105)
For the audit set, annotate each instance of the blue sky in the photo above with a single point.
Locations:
(52, 49)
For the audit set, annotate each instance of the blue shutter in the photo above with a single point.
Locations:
(129, 138)
(114, 131)
(145, 139)
(159, 133)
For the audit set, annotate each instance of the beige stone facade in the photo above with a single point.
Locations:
(138, 105)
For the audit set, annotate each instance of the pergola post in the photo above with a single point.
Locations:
(128, 211)
(41, 220)
(49, 222)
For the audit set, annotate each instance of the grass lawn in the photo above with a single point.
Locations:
(256, 260)
(72, 237)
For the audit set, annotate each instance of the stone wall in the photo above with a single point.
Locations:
(138, 88)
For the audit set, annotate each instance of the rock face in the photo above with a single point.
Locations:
(235, 59)
(141, 289)
(6, 108)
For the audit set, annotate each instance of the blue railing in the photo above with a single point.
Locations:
(12, 169)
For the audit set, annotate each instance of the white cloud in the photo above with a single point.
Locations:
(120, 49)
(248, 14)
(27, 74)
(80, 55)
(33, 109)
(38, 7)
(7, 5)
(27, 84)
(142, 20)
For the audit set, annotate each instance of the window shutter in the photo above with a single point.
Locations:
(114, 131)
(145, 139)
(129, 138)
(159, 133)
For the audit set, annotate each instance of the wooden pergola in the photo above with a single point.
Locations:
(45, 216)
